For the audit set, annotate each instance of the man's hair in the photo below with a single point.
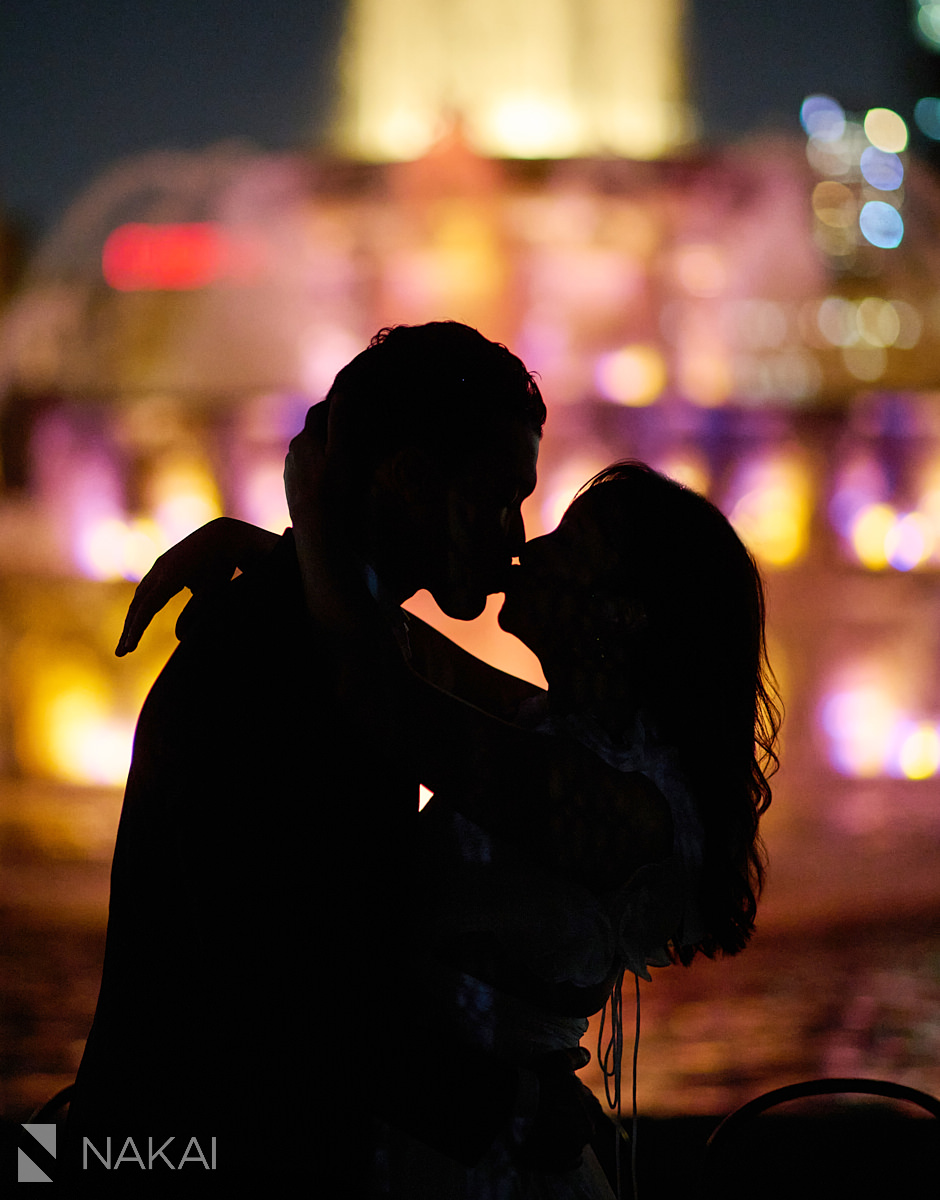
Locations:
(440, 385)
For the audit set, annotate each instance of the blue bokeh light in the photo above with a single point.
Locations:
(882, 169)
(823, 118)
(881, 224)
(927, 116)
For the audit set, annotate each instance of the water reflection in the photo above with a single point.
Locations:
(858, 999)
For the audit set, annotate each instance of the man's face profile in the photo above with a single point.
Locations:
(480, 520)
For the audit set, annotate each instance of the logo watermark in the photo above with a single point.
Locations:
(36, 1162)
(162, 1155)
(45, 1155)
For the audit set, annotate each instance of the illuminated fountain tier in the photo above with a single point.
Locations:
(760, 322)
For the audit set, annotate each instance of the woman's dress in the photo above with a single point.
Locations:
(485, 902)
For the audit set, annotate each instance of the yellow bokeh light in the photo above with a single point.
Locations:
(837, 321)
(878, 321)
(520, 80)
(87, 745)
(866, 363)
(404, 133)
(687, 467)
(634, 376)
(835, 204)
(869, 535)
(143, 541)
(886, 130)
(67, 726)
(919, 755)
(772, 515)
(910, 322)
(183, 495)
(531, 126)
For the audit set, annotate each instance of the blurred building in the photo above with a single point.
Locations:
(761, 320)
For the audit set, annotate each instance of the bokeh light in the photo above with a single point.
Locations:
(927, 116)
(859, 721)
(881, 224)
(866, 363)
(634, 376)
(860, 484)
(835, 204)
(886, 130)
(869, 535)
(771, 509)
(919, 751)
(878, 321)
(909, 542)
(182, 257)
(911, 325)
(261, 498)
(115, 548)
(68, 728)
(687, 466)
(823, 118)
(182, 496)
(530, 126)
(928, 22)
(869, 734)
(837, 321)
(881, 169)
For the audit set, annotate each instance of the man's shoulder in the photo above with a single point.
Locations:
(266, 601)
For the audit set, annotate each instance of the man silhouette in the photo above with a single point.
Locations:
(260, 984)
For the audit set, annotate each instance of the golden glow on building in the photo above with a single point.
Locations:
(522, 78)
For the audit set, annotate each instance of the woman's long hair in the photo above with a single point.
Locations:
(696, 655)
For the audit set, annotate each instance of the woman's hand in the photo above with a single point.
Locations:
(203, 562)
(304, 476)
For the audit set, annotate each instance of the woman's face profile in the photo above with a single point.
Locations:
(550, 598)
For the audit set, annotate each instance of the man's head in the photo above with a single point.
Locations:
(437, 429)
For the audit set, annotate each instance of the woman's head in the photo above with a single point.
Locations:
(658, 606)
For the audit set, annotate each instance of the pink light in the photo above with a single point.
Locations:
(140, 257)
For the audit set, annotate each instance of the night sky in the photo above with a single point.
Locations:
(85, 82)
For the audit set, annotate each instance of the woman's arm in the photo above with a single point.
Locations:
(203, 562)
(448, 666)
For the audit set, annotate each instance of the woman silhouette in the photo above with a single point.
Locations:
(614, 824)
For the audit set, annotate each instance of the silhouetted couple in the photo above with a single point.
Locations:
(299, 963)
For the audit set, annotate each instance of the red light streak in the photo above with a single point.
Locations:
(142, 257)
